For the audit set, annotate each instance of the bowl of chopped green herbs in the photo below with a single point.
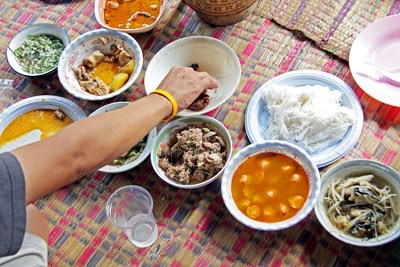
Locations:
(136, 154)
(35, 50)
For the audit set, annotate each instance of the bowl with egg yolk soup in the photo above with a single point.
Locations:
(270, 185)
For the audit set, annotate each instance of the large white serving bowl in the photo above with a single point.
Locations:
(151, 136)
(166, 134)
(383, 175)
(21, 36)
(280, 147)
(82, 46)
(212, 56)
(99, 14)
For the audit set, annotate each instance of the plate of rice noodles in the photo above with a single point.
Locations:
(312, 109)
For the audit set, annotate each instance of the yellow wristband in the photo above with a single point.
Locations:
(171, 99)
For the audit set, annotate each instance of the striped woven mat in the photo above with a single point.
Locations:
(195, 228)
(331, 24)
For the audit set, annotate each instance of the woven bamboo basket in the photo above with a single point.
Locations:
(222, 12)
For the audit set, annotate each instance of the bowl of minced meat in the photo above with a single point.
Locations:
(191, 152)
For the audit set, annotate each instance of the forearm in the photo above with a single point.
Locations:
(87, 145)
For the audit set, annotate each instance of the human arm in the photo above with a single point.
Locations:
(89, 144)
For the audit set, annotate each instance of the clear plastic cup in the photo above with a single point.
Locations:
(130, 208)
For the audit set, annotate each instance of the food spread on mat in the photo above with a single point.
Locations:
(194, 154)
(270, 187)
(124, 14)
(49, 122)
(131, 155)
(39, 53)
(359, 207)
(202, 100)
(311, 117)
(101, 73)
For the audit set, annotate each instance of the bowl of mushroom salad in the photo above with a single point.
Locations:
(359, 202)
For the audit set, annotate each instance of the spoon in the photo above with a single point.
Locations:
(392, 74)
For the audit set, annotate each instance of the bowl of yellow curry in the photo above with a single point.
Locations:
(129, 16)
(100, 64)
(270, 185)
(34, 119)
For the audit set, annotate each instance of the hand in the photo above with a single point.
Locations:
(185, 85)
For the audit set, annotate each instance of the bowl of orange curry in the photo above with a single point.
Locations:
(270, 185)
(136, 16)
(36, 118)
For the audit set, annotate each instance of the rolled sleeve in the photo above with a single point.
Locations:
(12, 205)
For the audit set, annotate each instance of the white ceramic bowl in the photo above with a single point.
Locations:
(146, 151)
(281, 147)
(212, 56)
(165, 136)
(82, 46)
(384, 175)
(21, 36)
(72, 110)
(99, 14)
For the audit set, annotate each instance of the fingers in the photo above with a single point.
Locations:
(206, 81)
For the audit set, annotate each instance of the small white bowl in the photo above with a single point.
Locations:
(21, 36)
(212, 56)
(383, 175)
(281, 147)
(165, 136)
(151, 137)
(99, 14)
(82, 46)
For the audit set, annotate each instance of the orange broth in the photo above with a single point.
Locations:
(42, 119)
(121, 16)
(270, 187)
(105, 71)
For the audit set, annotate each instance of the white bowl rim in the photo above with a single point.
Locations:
(151, 137)
(321, 216)
(100, 32)
(194, 39)
(194, 119)
(71, 109)
(264, 226)
(28, 28)
(136, 30)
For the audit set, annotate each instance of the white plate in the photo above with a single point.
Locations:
(257, 118)
(378, 43)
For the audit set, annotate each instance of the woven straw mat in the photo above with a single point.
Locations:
(195, 228)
